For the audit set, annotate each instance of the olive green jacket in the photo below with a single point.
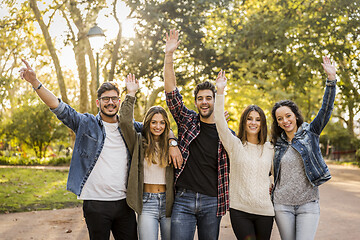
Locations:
(135, 187)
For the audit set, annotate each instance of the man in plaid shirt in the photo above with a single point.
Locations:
(202, 183)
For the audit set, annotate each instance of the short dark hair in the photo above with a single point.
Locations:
(204, 86)
(107, 86)
(276, 130)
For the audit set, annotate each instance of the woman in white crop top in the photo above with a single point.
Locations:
(151, 178)
(251, 209)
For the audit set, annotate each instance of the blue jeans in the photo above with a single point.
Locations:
(297, 222)
(153, 214)
(192, 209)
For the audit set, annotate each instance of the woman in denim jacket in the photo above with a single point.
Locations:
(150, 189)
(299, 167)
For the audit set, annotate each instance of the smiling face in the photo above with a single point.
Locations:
(253, 123)
(108, 107)
(157, 125)
(204, 102)
(286, 119)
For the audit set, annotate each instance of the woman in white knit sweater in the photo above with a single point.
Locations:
(251, 209)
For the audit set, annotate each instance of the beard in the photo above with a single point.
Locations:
(211, 110)
(102, 110)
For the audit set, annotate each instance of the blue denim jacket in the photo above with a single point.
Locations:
(306, 142)
(90, 137)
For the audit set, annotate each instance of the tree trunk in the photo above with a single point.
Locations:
(350, 122)
(93, 83)
(114, 55)
(152, 98)
(50, 46)
(79, 50)
(83, 43)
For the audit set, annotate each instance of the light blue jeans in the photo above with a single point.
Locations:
(153, 214)
(192, 209)
(297, 222)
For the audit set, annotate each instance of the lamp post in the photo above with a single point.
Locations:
(97, 38)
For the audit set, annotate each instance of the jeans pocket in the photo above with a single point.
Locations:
(146, 198)
(179, 194)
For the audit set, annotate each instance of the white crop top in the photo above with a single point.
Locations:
(153, 173)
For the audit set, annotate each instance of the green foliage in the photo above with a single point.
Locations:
(337, 136)
(271, 50)
(33, 189)
(357, 155)
(277, 46)
(19, 40)
(35, 126)
(144, 54)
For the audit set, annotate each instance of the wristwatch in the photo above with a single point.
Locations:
(173, 143)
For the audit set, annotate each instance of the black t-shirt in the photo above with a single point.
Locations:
(201, 170)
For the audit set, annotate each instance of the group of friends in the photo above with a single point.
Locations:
(136, 178)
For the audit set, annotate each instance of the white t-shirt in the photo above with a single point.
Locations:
(107, 181)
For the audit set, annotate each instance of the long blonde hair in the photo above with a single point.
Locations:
(156, 153)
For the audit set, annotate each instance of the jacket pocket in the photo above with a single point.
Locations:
(87, 146)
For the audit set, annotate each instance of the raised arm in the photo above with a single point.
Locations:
(323, 116)
(225, 135)
(46, 96)
(169, 74)
(127, 112)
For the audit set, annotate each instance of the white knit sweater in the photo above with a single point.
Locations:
(250, 165)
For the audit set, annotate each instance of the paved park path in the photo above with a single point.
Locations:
(339, 203)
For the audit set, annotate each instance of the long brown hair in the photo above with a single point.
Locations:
(262, 135)
(156, 153)
(276, 130)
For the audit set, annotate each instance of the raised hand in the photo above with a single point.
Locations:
(172, 41)
(221, 81)
(132, 84)
(28, 73)
(329, 68)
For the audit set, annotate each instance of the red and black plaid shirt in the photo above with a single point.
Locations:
(188, 122)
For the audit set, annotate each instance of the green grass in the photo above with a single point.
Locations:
(33, 189)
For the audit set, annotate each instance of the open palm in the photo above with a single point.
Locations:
(329, 68)
(172, 41)
(221, 80)
(132, 84)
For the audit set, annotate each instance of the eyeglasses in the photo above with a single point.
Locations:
(107, 99)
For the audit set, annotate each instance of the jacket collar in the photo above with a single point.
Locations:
(299, 133)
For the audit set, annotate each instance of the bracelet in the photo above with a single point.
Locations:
(173, 138)
(40, 85)
(331, 82)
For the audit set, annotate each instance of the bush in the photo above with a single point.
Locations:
(18, 160)
(357, 155)
(338, 137)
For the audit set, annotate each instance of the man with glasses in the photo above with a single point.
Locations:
(100, 161)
